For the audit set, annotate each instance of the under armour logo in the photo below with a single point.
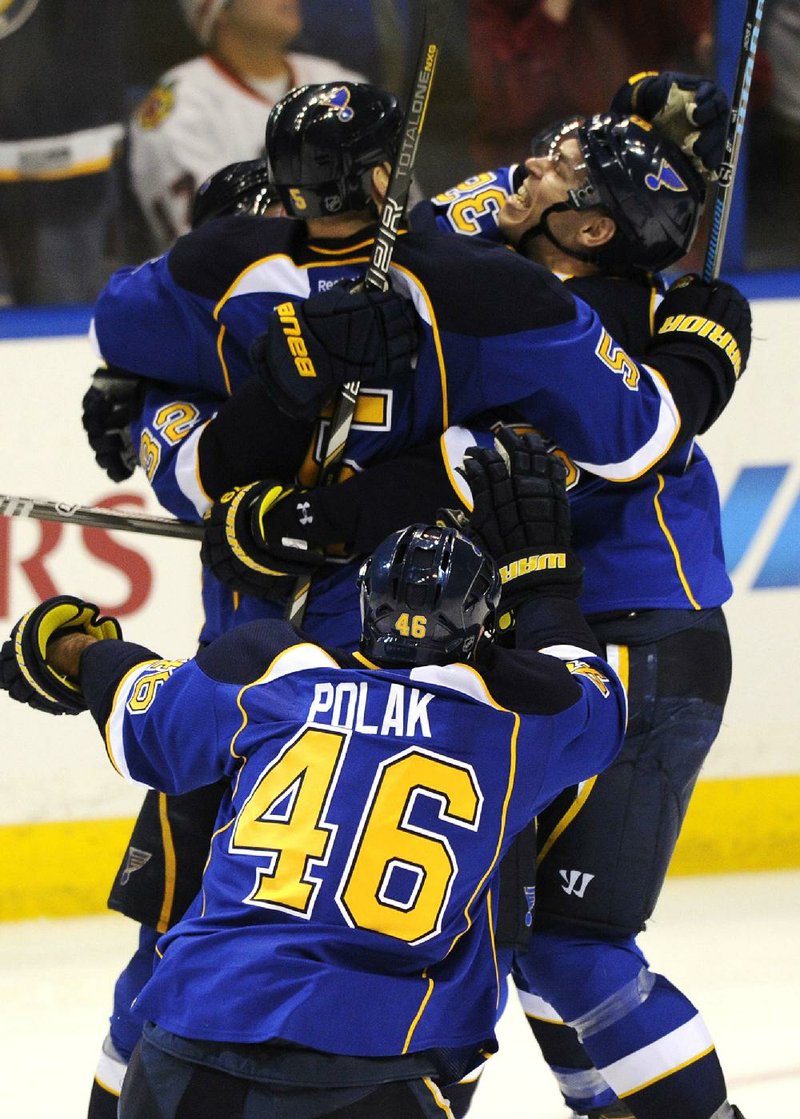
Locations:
(135, 860)
(575, 882)
(304, 514)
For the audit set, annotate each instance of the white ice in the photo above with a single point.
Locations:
(731, 942)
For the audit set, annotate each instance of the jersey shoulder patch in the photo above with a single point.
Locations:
(156, 107)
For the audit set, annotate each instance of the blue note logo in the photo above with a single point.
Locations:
(761, 516)
(338, 99)
(666, 176)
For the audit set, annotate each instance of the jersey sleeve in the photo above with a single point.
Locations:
(581, 738)
(149, 325)
(615, 416)
(167, 436)
(171, 724)
(470, 208)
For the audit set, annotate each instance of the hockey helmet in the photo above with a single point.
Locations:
(427, 595)
(642, 179)
(201, 15)
(239, 188)
(323, 141)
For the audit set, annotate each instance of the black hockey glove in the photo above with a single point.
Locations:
(521, 515)
(249, 541)
(313, 347)
(690, 111)
(24, 670)
(709, 323)
(111, 403)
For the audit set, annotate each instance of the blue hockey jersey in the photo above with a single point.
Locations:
(347, 901)
(496, 332)
(655, 542)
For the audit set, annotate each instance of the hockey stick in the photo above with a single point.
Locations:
(39, 509)
(377, 273)
(733, 139)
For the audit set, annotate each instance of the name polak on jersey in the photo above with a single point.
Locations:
(349, 706)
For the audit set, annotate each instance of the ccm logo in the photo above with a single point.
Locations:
(297, 347)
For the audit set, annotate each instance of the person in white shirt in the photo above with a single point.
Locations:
(211, 110)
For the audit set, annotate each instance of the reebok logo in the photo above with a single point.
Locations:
(575, 882)
(529, 564)
(294, 340)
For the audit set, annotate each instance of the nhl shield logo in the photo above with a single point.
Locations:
(13, 14)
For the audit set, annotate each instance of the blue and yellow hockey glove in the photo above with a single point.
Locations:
(312, 347)
(691, 111)
(254, 540)
(521, 515)
(24, 669)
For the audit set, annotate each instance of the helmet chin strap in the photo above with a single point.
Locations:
(542, 229)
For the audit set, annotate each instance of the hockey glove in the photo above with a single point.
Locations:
(313, 347)
(692, 112)
(521, 515)
(250, 543)
(24, 669)
(709, 323)
(111, 403)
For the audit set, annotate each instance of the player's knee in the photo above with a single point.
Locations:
(576, 972)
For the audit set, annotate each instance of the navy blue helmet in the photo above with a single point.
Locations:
(644, 182)
(323, 141)
(428, 594)
(238, 188)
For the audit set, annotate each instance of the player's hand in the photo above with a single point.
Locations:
(313, 346)
(690, 111)
(111, 403)
(521, 515)
(707, 321)
(29, 669)
(254, 539)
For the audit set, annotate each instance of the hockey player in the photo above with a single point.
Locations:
(667, 625)
(176, 440)
(210, 111)
(591, 206)
(340, 961)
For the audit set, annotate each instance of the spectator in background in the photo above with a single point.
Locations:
(211, 110)
(537, 61)
(368, 35)
(62, 85)
(774, 145)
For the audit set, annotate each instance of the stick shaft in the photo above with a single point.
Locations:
(377, 273)
(727, 175)
(40, 509)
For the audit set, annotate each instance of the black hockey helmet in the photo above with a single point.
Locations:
(427, 595)
(239, 188)
(642, 179)
(323, 141)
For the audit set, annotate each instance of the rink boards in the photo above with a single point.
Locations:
(65, 815)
